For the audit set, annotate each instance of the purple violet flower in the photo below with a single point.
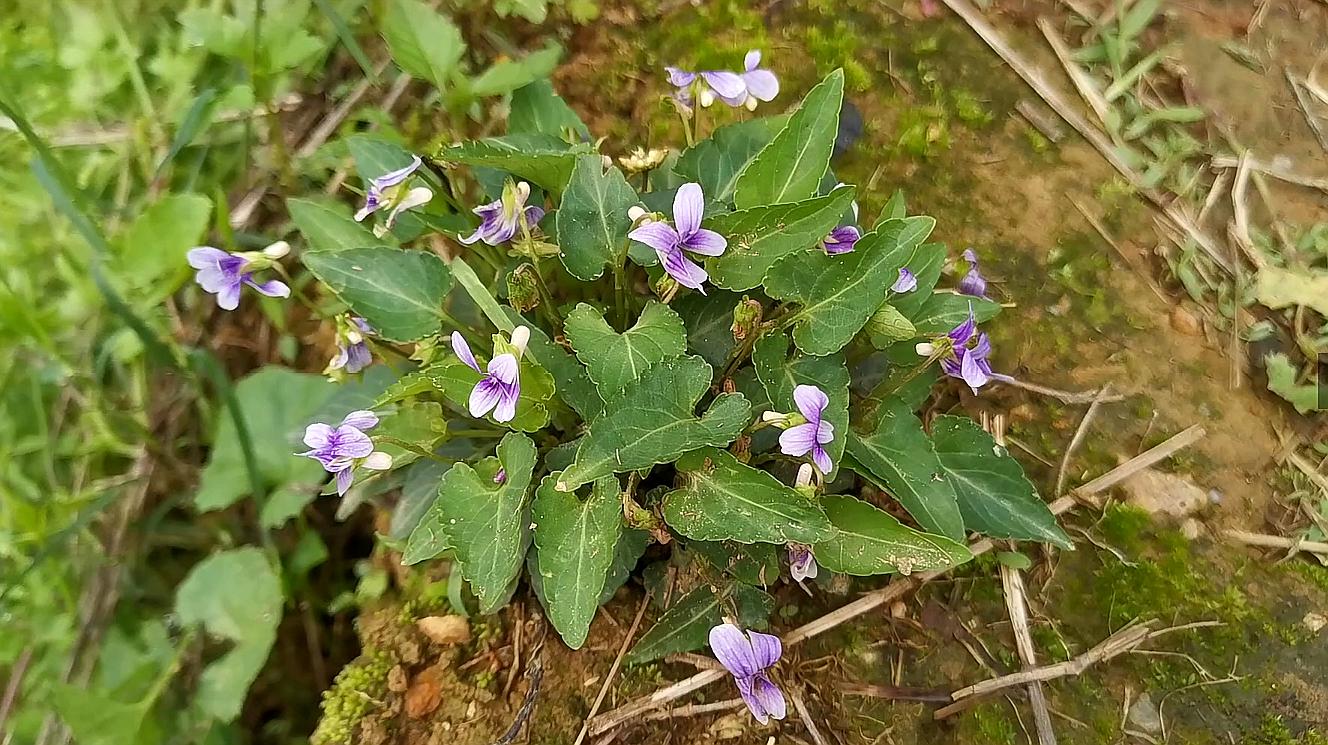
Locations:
(500, 220)
(747, 656)
(501, 476)
(802, 565)
(812, 435)
(727, 86)
(353, 353)
(841, 240)
(761, 84)
(973, 282)
(906, 282)
(970, 349)
(500, 388)
(223, 274)
(343, 448)
(385, 188)
(669, 243)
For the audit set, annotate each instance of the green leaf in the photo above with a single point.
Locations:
(235, 595)
(715, 162)
(790, 168)
(632, 545)
(709, 323)
(723, 500)
(592, 219)
(869, 541)
(505, 76)
(686, 625)
(537, 109)
(1282, 376)
(759, 237)
(943, 311)
(347, 37)
(887, 326)
(654, 422)
(614, 360)
(899, 458)
(97, 719)
(328, 226)
(194, 121)
(753, 564)
(780, 374)
(423, 42)
(419, 423)
(1276, 287)
(575, 542)
(400, 293)
(543, 160)
(995, 497)
(276, 404)
(837, 294)
(152, 250)
(485, 524)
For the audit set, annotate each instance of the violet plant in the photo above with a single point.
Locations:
(702, 348)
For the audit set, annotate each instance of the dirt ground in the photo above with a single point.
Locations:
(1082, 313)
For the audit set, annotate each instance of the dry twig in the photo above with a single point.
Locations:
(1263, 540)
(1016, 604)
(1078, 438)
(613, 670)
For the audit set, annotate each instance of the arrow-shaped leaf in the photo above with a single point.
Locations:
(790, 168)
(485, 523)
(686, 624)
(995, 496)
(899, 458)
(542, 160)
(760, 236)
(592, 219)
(654, 422)
(722, 499)
(400, 293)
(613, 360)
(837, 294)
(716, 161)
(575, 541)
(869, 541)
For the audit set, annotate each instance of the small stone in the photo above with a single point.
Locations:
(1144, 715)
(898, 609)
(1160, 493)
(396, 679)
(425, 694)
(1314, 622)
(445, 630)
(1191, 528)
(730, 726)
(1184, 322)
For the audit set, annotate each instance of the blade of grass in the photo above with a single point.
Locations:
(196, 119)
(206, 365)
(347, 38)
(1132, 75)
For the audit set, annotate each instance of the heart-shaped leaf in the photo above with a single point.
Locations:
(995, 496)
(592, 219)
(722, 499)
(327, 226)
(542, 160)
(837, 294)
(899, 458)
(760, 236)
(424, 42)
(400, 293)
(781, 374)
(485, 523)
(869, 541)
(613, 360)
(574, 542)
(538, 109)
(790, 168)
(654, 421)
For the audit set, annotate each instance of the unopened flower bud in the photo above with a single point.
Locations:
(750, 103)
(520, 338)
(378, 461)
(707, 98)
(636, 212)
(746, 317)
(925, 349)
(522, 289)
(773, 417)
(277, 250)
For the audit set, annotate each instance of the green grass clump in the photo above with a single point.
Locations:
(357, 690)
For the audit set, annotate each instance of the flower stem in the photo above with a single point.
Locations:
(620, 291)
(546, 298)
